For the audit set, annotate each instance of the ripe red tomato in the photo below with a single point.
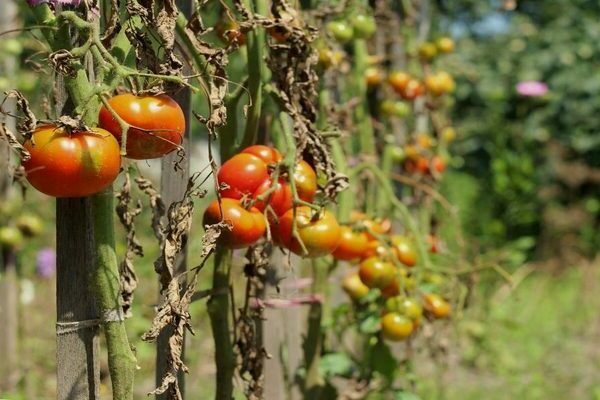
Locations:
(74, 164)
(157, 124)
(306, 181)
(265, 153)
(375, 249)
(352, 244)
(320, 233)
(404, 250)
(436, 305)
(412, 90)
(248, 226)
(244, 173)
(396, 327)
(418, 164)
(375, 272)
(354, 287)
(438, 164)
(280, 199)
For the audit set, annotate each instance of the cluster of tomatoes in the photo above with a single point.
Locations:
(258, 194)
(386, 263)
(77, 163)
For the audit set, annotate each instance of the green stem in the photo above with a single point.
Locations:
(313, 344)
(121, 360)
(218, 311)
(257, 72)
(387, 164)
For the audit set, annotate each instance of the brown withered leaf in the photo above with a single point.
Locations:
(156, 204)
(28, 124)
(61, 60)
(112, 26)
(127, 215)
(12, 141)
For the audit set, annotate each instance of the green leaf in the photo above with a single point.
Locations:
(404, 395)
(339, 364)
(370, 324)
(382, 360)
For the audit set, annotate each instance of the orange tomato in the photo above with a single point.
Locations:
(248, 226)
(319, 232)
(352, 244)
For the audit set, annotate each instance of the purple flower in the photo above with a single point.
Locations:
(532, 88)
(46, 262)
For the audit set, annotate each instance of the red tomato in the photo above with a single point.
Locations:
(436, 305)
(248, 226)
(352, 244)
(244, 174)
(437, 164)
(412, 90)
(157, 124)
(396, 326)
(306, 181)
(375, 272)
(398, 80)
(74, 164)
(281, 199)
(265, 153)
(375, 249)
(319, 234)
(392, 289)
(380, 227)
(404, 250)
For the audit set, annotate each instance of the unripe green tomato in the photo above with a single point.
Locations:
(364, 26)
(395, 108)
(10, 236)
(398, 154)
(407, 306)
(427, 51)
(341, 31)
(30, 225)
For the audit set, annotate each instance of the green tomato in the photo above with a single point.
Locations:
(406, 306)
(30, 225)
(395, 108)
(341, 31)
(10, 236)
(398, 154)
(364, 26)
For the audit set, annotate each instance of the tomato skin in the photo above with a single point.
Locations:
(244, 173)
(71, 165)
(341, 31)
(437, 164)
(375, 249)
(398, 80)
(404, 250)
(406, 306)
(436, 305)
(395, 108)
(375, 272)
(265, 153)
(373, 76)
(352, 244)
(364, 26)
(354, 287)
(396, 327)
(248, 226)
(157, 124)
(445, 45)
(391, 290)
(320, 237)
(412, 90)
(281, 199)
(305, 179)
(427, 51)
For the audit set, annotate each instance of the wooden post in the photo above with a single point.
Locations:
(172, 186)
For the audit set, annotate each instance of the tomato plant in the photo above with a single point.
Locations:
(71, 164)
(352, 244)
(395, 326)
(375, 272)
(319, 231)
(247, 225)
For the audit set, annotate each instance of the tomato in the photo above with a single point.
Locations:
(438, 164)
(433, 278)
(375, 272)
(305, 179)
(436, 305)
(404, 250)
(396, 327)
(398, 80)
(412, 90)
(280, 199)
(427, 51)
(418, 164)
(424, 140)
(391, 290)
(433, 242)
(406, 306)
(445, 45)
(320, 233)
(352, 244)
(364, 26)
(440, 83)
(373, 76)
(397, 153)
(248, 226)
(411, 151)
(74, 164)
(10, 237)
(354, 287)
(379, 227)
(157, 124)
(395, 108)
(375, 249)
(448, 134)
(341, 31)
(29, 225)
(244, 173)
(328, 57)
(265, 153)
(229, 32)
